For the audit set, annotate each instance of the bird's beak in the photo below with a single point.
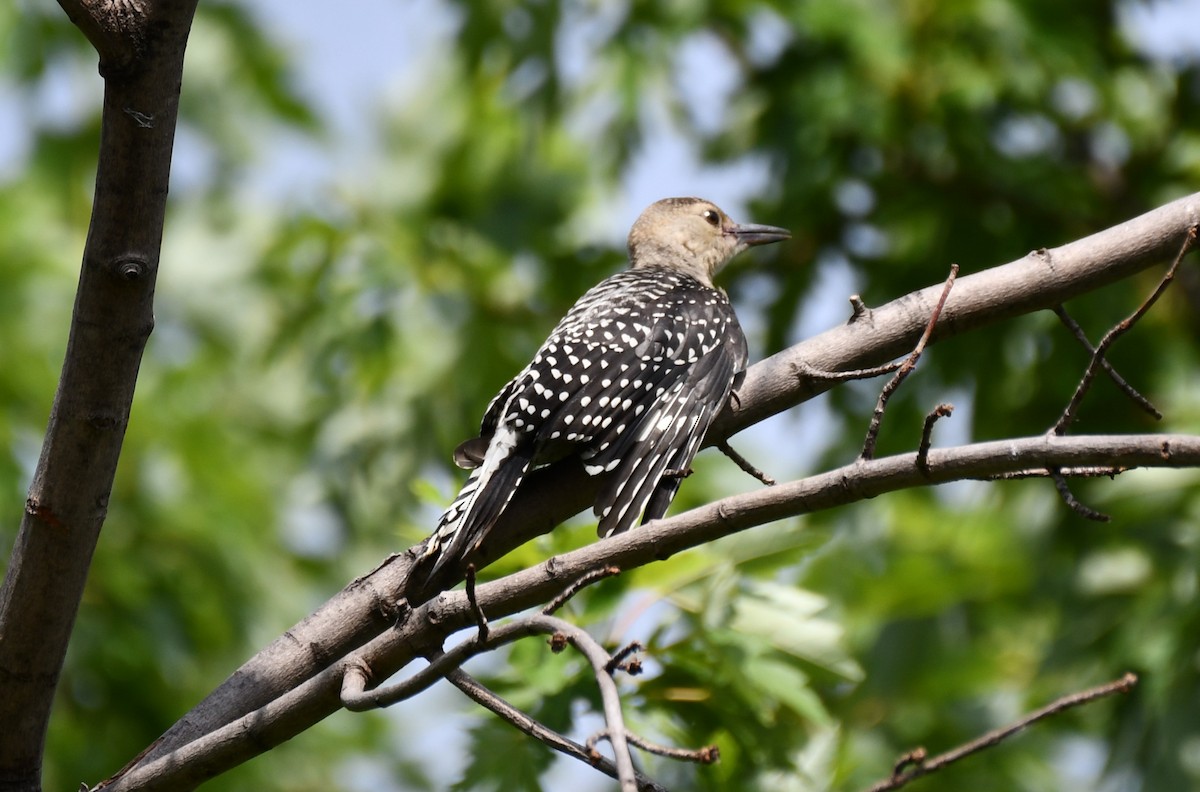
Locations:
(750, 234)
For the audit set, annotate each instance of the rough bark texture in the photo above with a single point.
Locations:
(141, 47)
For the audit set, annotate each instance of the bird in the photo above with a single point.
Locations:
(628, 381)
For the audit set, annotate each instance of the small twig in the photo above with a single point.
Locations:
(707, 754)
(916, 757)
(480, 616)
(1098, 471)
(858, 309)
(941, 411)
(1118, 380)
(488, 699)
(618, 658)
(590, 743)
(582, 582)
(900, 776)
(805, 370)
(1122, 327)
(744, 463)
(1064, 492)
(906, 368)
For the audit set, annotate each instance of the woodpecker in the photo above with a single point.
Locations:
(629, 381)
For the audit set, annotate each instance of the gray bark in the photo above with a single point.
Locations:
(141, 47)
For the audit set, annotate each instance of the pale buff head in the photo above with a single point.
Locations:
(693, 236)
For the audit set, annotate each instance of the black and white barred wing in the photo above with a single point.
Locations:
(705, 394)
(566, 364)
(529, 421)
(705, 355)
(640, 386)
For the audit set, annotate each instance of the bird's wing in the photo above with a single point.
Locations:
(633, 390)
(728, 367)
(541, 383)
(660, 450)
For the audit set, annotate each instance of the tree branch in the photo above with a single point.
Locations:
(906, 368)
(298, 709)
(1040, 280)
(141, 47)
(1118, 380)
(901, 776)
(365, 608)
(1118, 330)
(515, 717)
(941, 411)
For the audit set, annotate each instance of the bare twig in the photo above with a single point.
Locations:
(1094, 471)
(705, 755)
(900, 776)
(1122, 327)
(356, 698)
(1118, 380)
(580, 583)
(1064, 492)
(744, 463)
(480, 616)
(804, 370)
(941, 411)
(488, 699)
(858, 309)
(618, 659)
(906, 368)
(611, 700)
(916, 756)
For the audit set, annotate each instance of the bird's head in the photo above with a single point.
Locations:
(693, 236)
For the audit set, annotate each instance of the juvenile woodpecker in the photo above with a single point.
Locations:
(628, 381)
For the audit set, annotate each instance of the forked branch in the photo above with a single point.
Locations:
(906, 368)
(1118, 330)
(914, 765)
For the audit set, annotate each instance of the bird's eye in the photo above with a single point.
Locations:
(712, 217)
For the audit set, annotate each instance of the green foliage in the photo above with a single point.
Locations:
(316, 358)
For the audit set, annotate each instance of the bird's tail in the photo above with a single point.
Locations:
(479, 504)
